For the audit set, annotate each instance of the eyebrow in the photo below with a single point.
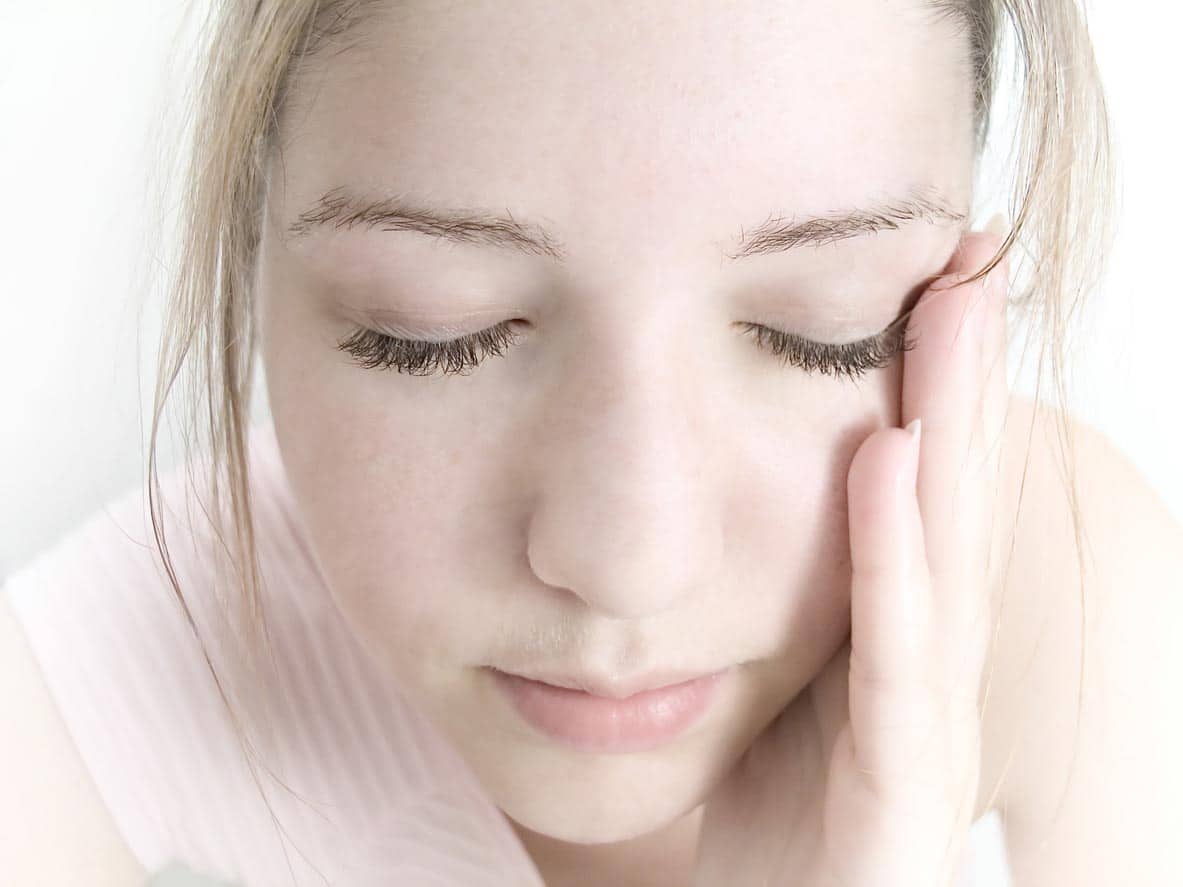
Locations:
(341, 207)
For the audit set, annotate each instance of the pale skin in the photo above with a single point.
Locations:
(493, 518)
(871, 776)
(641, 208)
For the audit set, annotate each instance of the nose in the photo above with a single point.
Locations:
(626, 515)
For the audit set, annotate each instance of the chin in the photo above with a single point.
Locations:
(601, 799)
(594, 820)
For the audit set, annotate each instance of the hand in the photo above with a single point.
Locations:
(869, 777)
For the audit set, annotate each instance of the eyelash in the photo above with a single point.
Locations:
(374, 350)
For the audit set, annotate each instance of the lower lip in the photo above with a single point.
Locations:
(599, 724)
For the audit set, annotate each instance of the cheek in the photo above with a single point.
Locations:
(384, 532)
(420, 538)
(367, 489)
(420, 548)
(787, 521)
(796, 466)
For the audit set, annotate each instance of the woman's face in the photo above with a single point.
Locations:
(636, 483)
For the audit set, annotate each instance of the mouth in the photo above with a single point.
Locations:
(613, 720)
(622, 688)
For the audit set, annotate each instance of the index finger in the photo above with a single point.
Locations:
(943, 385)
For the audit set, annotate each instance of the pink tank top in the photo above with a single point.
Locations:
(388, 800)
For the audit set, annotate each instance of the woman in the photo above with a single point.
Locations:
(590, 336)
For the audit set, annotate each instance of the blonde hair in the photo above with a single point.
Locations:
(253, 53)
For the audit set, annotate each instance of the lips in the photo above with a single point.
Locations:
(594, 723)
(622, 688)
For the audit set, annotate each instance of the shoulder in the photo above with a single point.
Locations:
(1092, 542)
(1086, 657)
(54, 827)
(80, 625)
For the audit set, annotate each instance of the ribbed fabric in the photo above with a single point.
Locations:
(391, 801)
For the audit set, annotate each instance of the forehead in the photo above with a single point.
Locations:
(663, 117)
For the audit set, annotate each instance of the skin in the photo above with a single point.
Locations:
(871, 776)
(492, 519)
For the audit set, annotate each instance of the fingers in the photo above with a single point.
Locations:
(899, 774)
(906, 769)
(955, 328)
(943, 385)
(891, 610)
(919, 527)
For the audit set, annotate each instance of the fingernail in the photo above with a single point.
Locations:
(913, 428)
(943, 283)
(998, 225)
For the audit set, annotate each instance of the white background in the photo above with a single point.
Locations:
(82, 86)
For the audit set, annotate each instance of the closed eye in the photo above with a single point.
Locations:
(419, 357)
(851, 359)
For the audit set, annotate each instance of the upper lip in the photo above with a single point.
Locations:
(618, 688)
